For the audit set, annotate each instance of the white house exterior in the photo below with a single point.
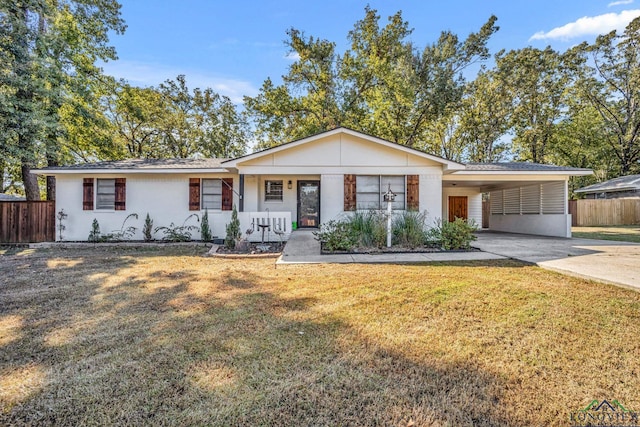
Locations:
(307, 182)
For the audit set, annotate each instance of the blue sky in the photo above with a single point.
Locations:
(233, 46)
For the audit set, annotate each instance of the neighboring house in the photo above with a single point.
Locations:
(616, 188)
(11, 198)
(309, 181)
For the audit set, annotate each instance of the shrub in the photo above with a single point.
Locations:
(205, 230)
(125, 233)
(181, 233)
(94, 234)
(369, 227)
(233, 230)
(336, 236)
(409, 229)
(147, 229)
(453, 235)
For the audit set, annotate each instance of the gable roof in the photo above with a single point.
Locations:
(622, 183)
(142, 166)
(449, 164)
(521, 166)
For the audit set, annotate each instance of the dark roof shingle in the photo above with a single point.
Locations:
(136, 164)
(519, 166)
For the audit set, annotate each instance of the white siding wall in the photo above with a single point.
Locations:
(332, 194)
(430, 189)
(474, 202)
(164, 197)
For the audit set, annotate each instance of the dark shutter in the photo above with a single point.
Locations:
(121, 194)
(87, 194)
(194, 194)
(413, 192)
(227, 194)
(349, 192)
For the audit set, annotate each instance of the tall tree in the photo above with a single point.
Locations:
(613, 88)
(536, 80)
(46, 48)
(484, 119)
(306, 102)
(381, 85)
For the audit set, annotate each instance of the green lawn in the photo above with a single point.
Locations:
(621, 233)
(169, 337)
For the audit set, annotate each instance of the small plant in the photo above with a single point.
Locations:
(205, 230)
(181, 233)
(147, 229)
(409, 229)
(370, 227)
(61, 227)
(94, 234)
(233, 230)
(336, 236)
(453, 235)
(125, 233)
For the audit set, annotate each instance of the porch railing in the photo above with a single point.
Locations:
(275, 225)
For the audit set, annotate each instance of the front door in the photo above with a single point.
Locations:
(308, 204)
(457, 207)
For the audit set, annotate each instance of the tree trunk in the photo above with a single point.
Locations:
(30, 181)
(51, 187)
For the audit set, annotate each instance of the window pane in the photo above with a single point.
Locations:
(273, 190)
(211, 194)
(367, 184)
(398, 187)
(212, 186)
(106, 194)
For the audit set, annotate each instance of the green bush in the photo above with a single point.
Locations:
(408, 229)
(94, 234)
(178, 233)
(369, 227)
(336, 236)
(233, 230)
(453, 235)
(205, 229)
(147, 229)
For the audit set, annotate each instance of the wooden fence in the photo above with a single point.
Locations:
(604, 212)
(27, 222)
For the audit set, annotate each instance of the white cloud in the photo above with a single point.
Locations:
(589, 26)
(150, 74)
(292, 56)
(619, 2)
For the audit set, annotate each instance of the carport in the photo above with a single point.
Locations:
(528, 198)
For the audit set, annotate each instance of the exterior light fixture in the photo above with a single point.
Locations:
(289, 185)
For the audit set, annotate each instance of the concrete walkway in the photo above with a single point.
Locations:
(303, 248)
(601, 260)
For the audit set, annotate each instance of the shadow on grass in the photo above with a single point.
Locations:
(110, 339)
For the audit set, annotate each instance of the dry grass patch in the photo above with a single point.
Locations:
(169, 337)
(620, 233)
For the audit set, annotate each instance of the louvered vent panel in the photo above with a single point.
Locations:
(512, 201)
(553, 198)
(495, 198)
(531, 199)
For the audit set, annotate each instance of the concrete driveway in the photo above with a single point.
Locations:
(601, 260)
